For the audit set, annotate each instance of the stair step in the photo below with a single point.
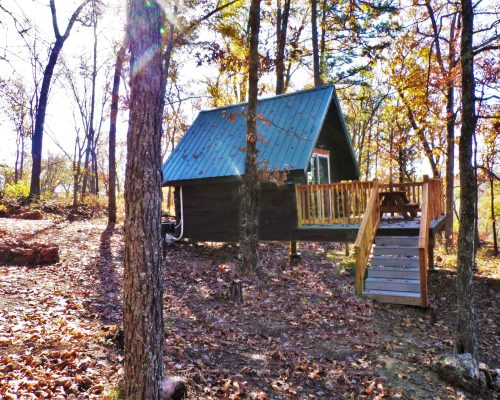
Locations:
(394, 272)
(395, 250)
(396, 240)
(388, 261)
(397, 284)
(388, 296)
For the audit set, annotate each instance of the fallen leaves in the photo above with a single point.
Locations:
(300, 333)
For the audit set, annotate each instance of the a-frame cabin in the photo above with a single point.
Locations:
(304, 134)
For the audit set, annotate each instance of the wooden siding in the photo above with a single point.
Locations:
(211, 212)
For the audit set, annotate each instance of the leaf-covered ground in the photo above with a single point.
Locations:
(300, 333)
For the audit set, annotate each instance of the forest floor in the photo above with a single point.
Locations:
(299, 334)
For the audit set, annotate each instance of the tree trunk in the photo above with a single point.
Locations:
(450, 137)
(315, 47)
(16, 165)
(120, 57)
(281, 30)
(322, 41)
(465, 327)
(143, 288)
(450, 164)
(21, 168)
(85, 171)
(493, 216)
(250, 195)
(37, 139)
(91, 138)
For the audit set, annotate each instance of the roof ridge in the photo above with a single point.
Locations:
(324, 87)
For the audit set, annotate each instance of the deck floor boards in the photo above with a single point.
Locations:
(396, 226)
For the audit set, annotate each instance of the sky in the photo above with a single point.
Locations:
(59, 125)
(59, 119)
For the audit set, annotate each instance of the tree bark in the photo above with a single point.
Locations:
(465, 341)
(281, 31)
(143, 288)
(450, 137)
(250, 195)
(493, 216)
(315, 46)
(37, 139)
(115, 97)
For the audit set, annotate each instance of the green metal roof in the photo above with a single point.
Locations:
(289, 126)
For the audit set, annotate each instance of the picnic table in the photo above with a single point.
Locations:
(397, 202)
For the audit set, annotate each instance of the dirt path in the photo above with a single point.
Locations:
(301, 333)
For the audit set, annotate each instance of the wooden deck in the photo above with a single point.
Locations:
(348, 232)
(358, 212)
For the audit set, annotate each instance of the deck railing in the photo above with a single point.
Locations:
(432, 208)
(332, 203)
(366, 236)
(413, 190)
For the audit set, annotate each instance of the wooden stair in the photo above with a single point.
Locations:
(393, 274)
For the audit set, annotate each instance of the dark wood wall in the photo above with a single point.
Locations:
(212, 211)
(342, 165)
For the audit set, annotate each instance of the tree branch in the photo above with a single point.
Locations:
(489, 172)
(54, 19)
(73, 18)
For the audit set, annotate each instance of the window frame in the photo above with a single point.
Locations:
(320, 153)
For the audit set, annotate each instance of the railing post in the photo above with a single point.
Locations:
(423, 241)
(365, 237)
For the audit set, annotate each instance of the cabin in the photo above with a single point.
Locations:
(304, 141)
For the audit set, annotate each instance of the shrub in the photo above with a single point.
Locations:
(15, 191)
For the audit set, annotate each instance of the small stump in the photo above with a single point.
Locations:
(235, 291)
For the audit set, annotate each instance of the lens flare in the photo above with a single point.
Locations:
(141, 62)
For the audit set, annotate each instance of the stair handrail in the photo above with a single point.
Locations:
(432, 208)
(366, 236)
(423, 238)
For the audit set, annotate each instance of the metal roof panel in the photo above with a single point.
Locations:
(288, 125)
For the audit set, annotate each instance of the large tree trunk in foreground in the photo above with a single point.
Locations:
(112, 133)
(250, 196)
(143, 291)
(465, 341)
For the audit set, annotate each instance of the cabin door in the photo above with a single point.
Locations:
(318, 172)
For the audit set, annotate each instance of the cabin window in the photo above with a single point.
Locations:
(318, 170)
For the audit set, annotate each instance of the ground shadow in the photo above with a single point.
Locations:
(109, 304)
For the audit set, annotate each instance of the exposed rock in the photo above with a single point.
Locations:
(174, 388)
(495, 383)
(14, 252)
(461, 370)
(492, 377)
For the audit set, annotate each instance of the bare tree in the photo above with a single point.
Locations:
(120, 58)
(37, 138)
(16, 105)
